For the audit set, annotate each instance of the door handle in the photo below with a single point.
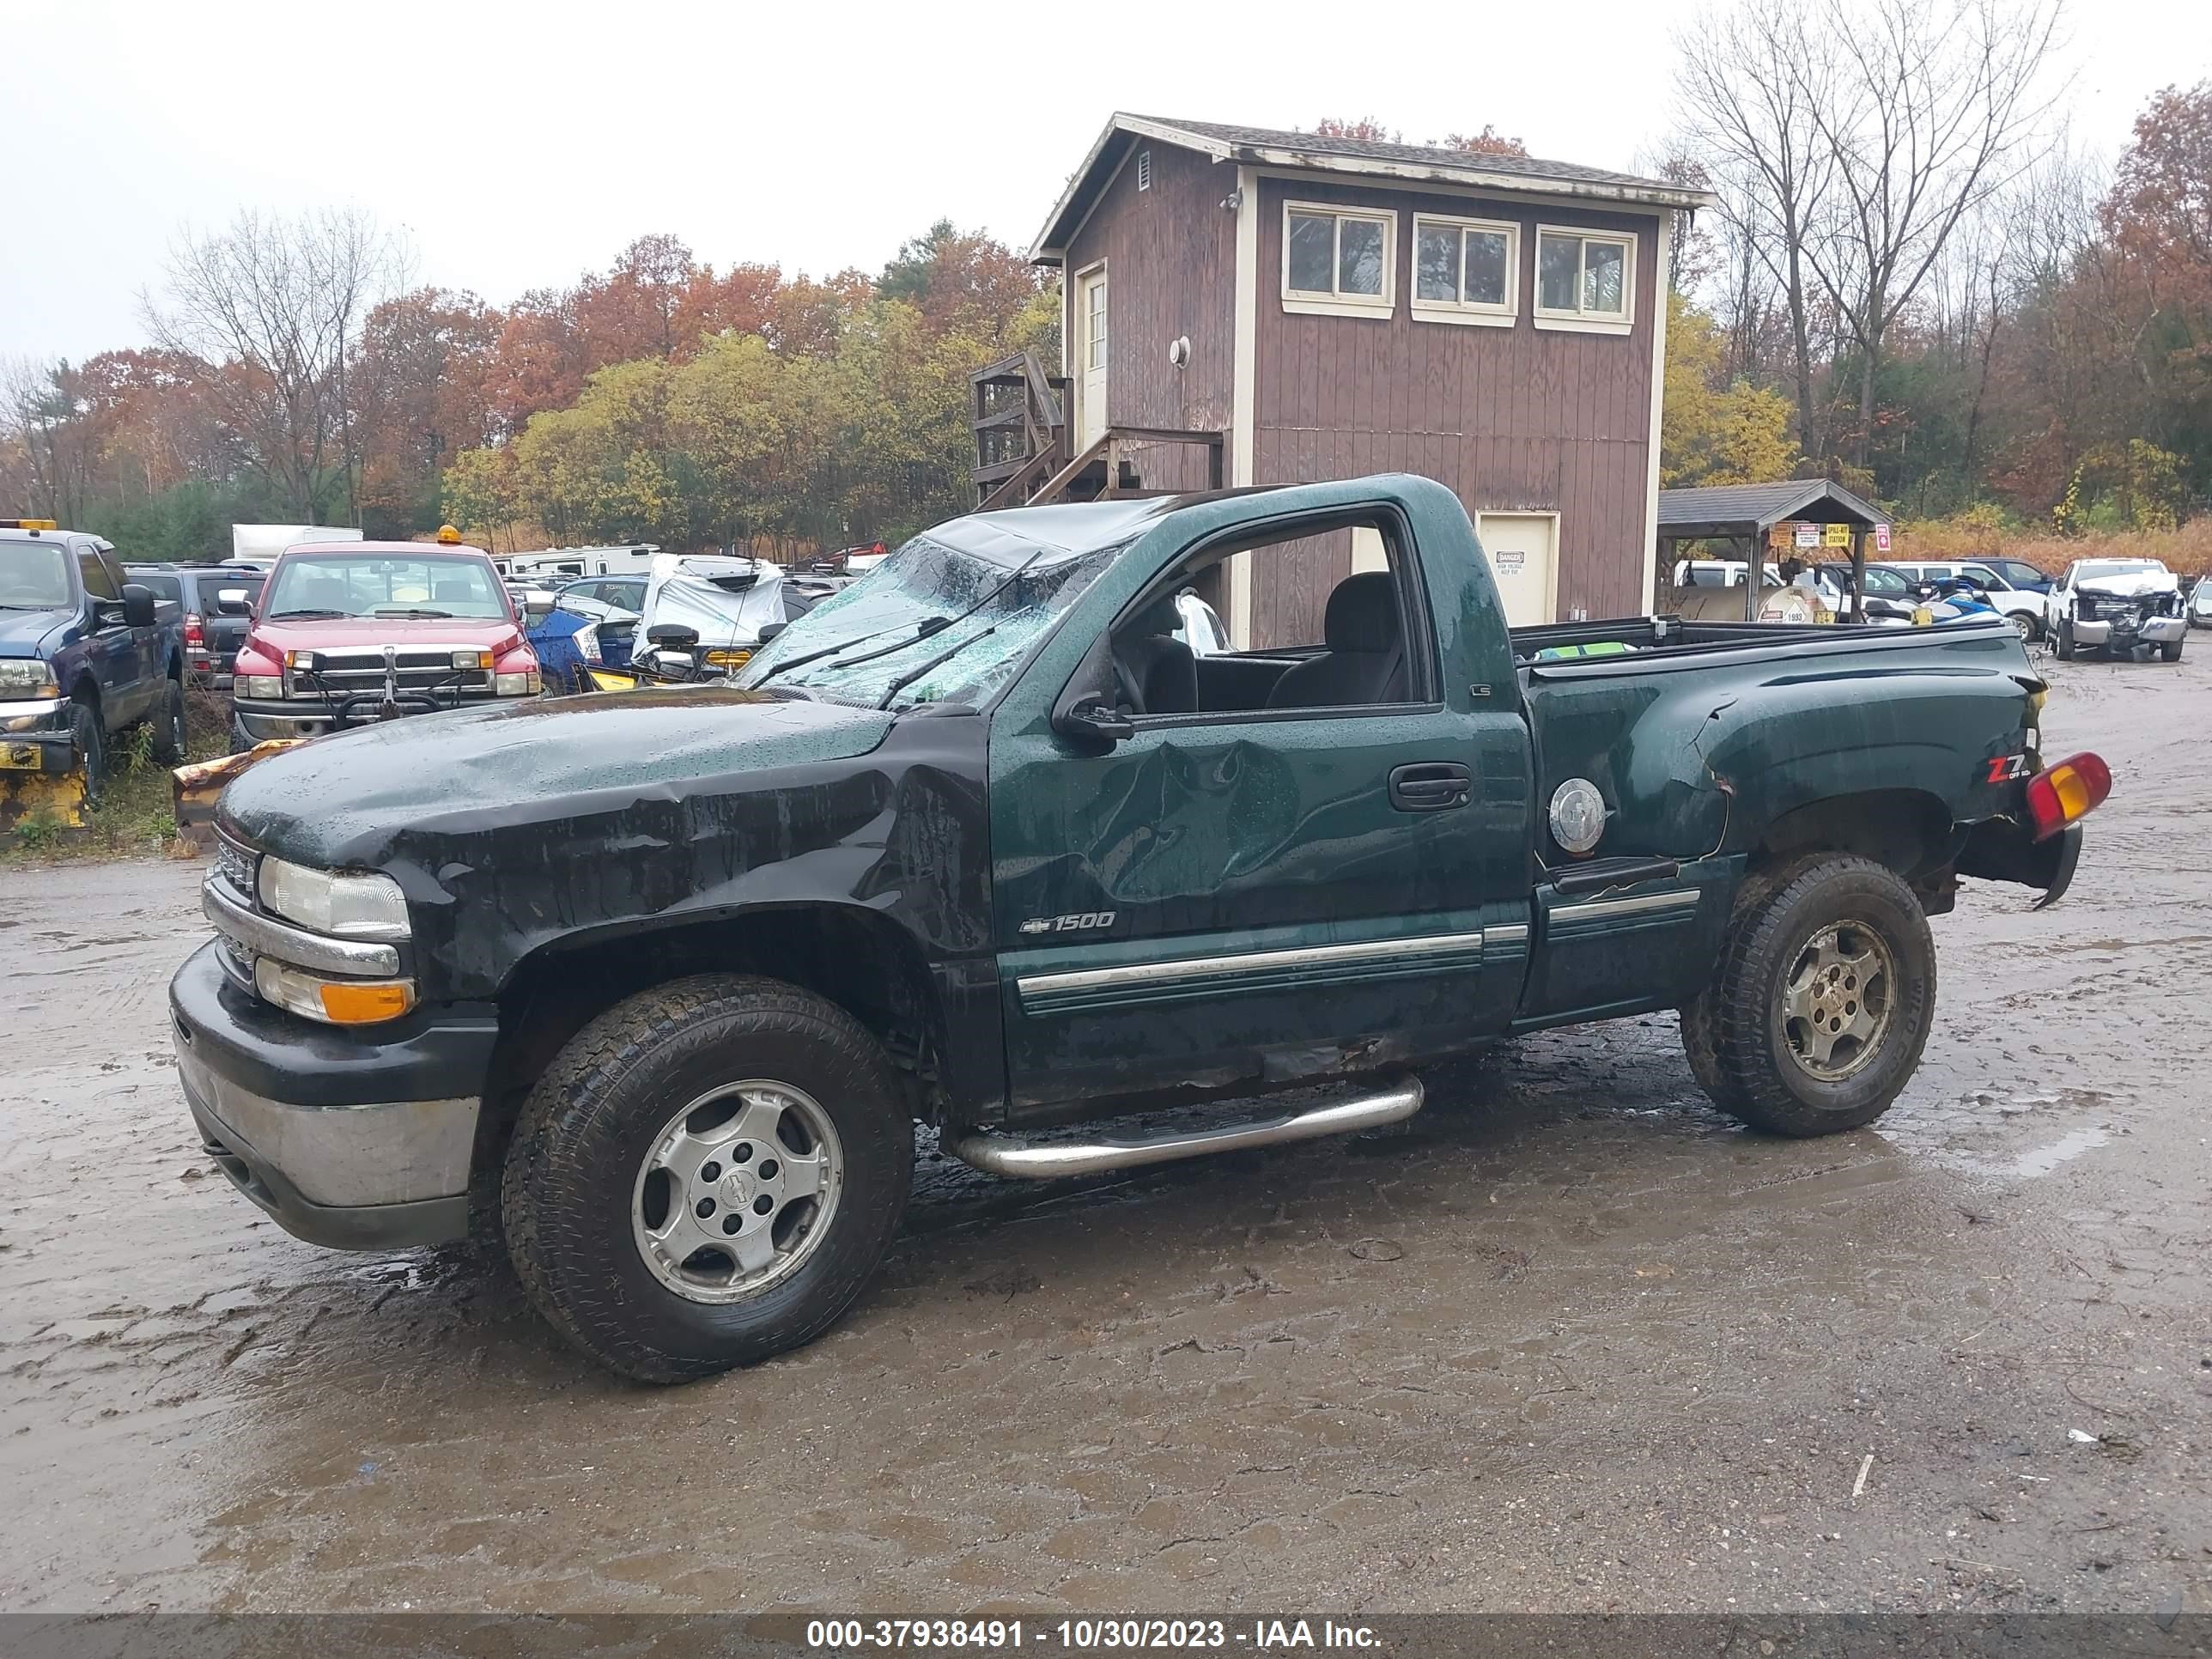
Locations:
(1431, 786)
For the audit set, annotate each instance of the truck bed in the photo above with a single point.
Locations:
(1671, 639)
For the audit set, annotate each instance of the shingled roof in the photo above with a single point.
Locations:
(1361, 157)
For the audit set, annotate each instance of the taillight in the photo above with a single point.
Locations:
(194, 634)
(2062, 794)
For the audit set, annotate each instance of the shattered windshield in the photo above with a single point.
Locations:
(933, 623)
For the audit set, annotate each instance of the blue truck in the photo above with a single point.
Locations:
(85, 656)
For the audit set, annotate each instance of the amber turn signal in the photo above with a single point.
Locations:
(2065, 793)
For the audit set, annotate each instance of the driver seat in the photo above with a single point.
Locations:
(1155, 672)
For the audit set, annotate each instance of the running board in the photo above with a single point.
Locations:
(1043, 1160)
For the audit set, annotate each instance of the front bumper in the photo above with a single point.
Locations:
(309, 717)
(2157, 630)
(353, 1142)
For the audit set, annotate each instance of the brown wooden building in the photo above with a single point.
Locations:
(1259, 306)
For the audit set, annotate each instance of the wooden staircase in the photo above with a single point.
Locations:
(1022, 440)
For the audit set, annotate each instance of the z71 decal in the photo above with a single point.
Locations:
(2006, 768)
(1076, 924)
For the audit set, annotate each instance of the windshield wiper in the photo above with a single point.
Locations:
(402, 612)
(309, 615)
(933, 625)
(935, 662)
(923, 629)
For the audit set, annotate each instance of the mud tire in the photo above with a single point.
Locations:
(167, 723)
(1734, 1031)
(567, 1187)
(89, 738)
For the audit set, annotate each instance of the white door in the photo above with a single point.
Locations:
(1091, 322)
(1525, 561)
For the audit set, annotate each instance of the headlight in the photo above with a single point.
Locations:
(516, 686)
(333, 1001)
(261, 685)
(347, 905)
(26, 677)
(587, 639)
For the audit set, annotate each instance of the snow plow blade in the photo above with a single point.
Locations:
(199, 786)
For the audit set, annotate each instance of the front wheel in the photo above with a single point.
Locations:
(708, 1174)
(89, 738)
(1823, 999)
(2065, 646)
(2171, 650)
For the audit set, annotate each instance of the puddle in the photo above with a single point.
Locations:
(2043, 1159)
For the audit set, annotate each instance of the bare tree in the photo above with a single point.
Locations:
(41, 422)
(276, 303)
(1747, 80)
(1925, 110)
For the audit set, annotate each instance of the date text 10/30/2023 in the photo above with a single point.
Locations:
(1083, 1635)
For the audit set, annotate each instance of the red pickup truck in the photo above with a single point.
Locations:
(350, 632)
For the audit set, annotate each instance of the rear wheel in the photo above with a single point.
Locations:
(2025, 626)
(1823, 999)
(708, 1174)
(168, 723)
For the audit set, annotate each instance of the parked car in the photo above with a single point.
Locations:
(363, 631)
(2022, 605)
(626, 593)
(674, 973)
(86, 655)
(2200, 603)
(567, 631)
(217, 602)
(724, 602)
(2114, 605)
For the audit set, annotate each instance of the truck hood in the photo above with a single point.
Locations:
(2132, 587)
(23, 633)
(433, 782)
(277, 637)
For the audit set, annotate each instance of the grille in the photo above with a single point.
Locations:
(424, 668)
(236, 865)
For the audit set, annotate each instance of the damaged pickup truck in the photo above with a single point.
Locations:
(658, 985)
(2114, 605)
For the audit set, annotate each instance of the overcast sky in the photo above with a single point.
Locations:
(520, 144)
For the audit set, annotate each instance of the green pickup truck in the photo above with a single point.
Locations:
(657, 984)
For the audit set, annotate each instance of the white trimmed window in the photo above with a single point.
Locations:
(1585, 279)
(1338, 262)
(1466, 270)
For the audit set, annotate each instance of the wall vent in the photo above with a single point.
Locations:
(1144, 169)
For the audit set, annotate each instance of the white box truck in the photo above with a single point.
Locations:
(259, 544)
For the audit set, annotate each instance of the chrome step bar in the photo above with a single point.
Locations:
(1044, 1160)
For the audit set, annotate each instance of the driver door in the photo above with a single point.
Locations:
(1250, 894)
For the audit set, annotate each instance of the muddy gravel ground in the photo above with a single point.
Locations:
(1567, 1341)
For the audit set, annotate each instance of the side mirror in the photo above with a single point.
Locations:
(1094, 724)
(675, 635)
(137, 605)
(233, 602)
(537, 607)
(770, 630)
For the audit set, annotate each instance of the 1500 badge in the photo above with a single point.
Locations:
(1075, 924)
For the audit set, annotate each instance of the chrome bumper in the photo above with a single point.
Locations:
(2158, 630)
(348, 1177)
